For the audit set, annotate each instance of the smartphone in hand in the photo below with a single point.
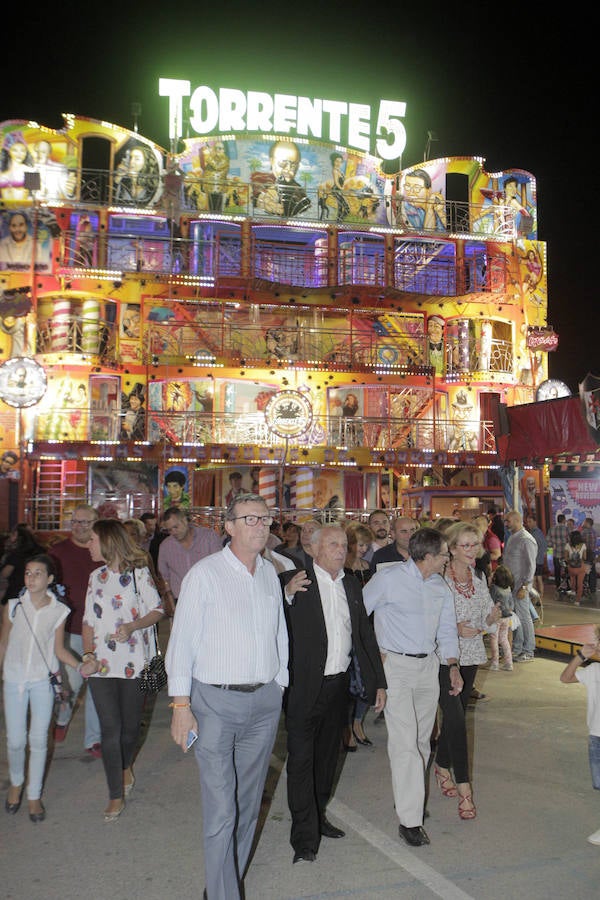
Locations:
(191, 738)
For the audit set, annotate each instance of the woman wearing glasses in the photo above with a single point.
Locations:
(476, 613)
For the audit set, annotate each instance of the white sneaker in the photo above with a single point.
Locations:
(507, 668)
(493, 667)
(595, 837)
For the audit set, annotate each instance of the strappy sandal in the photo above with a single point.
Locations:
(470, 813)
(445, 783)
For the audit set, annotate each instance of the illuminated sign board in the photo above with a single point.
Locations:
(230, 110)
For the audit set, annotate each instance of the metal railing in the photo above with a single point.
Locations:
(359, 262)
(189, 194)
(75, 423)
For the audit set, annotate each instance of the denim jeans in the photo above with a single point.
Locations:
(594, 757)
(524, 636)
(38, 697)
(72, 678)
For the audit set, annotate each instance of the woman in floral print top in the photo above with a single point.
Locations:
(121, 606)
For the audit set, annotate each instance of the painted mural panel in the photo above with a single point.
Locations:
(282, 178)
(64, 411)
(19, 245)
(576, 498)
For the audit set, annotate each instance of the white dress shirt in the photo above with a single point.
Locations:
(337, 620)
(229, 626)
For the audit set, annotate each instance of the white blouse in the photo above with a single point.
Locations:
(23, 660)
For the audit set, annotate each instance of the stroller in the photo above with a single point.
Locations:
(564, 583)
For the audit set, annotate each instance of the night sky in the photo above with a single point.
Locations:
(514, 87)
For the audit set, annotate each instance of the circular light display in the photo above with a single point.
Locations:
(551, 389)
(288, 414)
(23, 382)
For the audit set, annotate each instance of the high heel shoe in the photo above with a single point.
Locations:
(127, 788)
(445, 783)
(363, 741)
(113, 815)
(466, 813)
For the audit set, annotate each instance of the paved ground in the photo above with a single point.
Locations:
(532, 788)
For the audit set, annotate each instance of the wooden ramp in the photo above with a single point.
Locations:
(563, 639)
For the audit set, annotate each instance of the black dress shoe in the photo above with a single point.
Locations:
(364, 742)
(306, 855)
(38, 816)
(329, 830)
(416, 836)
(350, 748)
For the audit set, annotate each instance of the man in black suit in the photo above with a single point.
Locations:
(327, 622)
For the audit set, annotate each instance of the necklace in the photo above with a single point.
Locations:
(464, 588)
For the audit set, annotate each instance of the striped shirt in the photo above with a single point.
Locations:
(175, 560)
(229, 626)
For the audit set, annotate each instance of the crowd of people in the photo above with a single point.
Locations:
(318, 621)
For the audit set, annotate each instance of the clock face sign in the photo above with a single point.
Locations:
(23, 382)
(288, 414)
(551, 389)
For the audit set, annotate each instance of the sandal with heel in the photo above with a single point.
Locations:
(445, 783)
(463, 812)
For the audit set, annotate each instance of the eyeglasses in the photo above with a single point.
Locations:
(82, 521)
(254, 520)
(469, 546)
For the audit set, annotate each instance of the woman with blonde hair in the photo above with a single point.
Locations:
(476, 613)
(121, 606)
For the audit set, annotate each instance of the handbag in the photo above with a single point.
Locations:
(54, 677)
(153, 677)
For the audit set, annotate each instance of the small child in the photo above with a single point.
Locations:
(590, 677)
(501, 587)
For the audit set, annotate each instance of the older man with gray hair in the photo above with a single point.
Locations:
(520, 552)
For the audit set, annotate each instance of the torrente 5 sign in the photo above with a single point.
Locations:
(231, 110)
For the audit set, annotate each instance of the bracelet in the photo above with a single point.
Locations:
(581, 656)
(454, 666)
(180, 705)
(88, 653)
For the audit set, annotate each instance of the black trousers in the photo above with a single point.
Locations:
(119, 704)
(314, 739)
(452, 748)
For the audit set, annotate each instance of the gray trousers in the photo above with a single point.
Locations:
(236, 733)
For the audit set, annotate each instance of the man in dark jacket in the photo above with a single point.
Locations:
(327, 623)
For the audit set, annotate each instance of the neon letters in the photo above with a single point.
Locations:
(231, 110)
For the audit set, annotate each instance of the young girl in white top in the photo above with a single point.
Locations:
(31, 643)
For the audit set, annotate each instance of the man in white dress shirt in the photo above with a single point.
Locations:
(227, 664)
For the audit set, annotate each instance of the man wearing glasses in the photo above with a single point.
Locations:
(74, 565)
(227, 664)
(414, 616)
(401, 530)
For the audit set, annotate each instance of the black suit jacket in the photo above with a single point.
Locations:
(308, 642)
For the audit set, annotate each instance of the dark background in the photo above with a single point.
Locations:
(512, 85)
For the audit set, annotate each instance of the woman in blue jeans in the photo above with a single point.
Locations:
(31, 643)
